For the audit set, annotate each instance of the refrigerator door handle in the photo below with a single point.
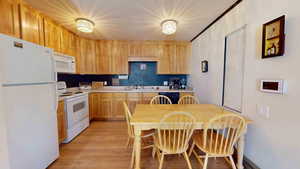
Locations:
(55, 97)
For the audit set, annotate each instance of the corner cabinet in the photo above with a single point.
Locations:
(9, 22)
(100, 106)
(68, 43)
(32, 28)
(61, 122)
(53, 33)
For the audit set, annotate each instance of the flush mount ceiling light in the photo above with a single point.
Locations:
(169, 26)
(85, 25)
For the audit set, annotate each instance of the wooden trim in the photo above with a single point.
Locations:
(143, 59)
(217, 19)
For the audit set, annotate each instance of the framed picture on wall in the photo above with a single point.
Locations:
(204, 66)
(273, 38)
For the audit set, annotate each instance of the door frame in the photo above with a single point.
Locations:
(244, 27)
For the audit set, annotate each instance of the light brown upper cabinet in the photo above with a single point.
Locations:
(68, 43)
(181, 62)
(174, 57)
(103, 57)
(87, 59)
(32, 28)
(119, 57)
(112, 57)
(9, 18)
(143, 50)
(53, 34)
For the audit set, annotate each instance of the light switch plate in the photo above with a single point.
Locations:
(263, 111)
(143, 66)
(123, 77)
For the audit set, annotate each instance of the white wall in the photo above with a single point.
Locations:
(272, 143)
(210, 46)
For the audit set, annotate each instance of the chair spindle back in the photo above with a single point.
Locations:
(160, 99)
(189, 99)
(222, 132)
(128, 116)
(175, 131)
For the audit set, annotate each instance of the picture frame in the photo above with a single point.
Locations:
(273, 38)
(204, 66)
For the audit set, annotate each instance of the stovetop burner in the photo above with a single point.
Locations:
(70, 93)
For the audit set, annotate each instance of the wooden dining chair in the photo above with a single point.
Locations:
(130, 129)
(173, 135)
(218, 138)
(160, 99)
(189, 99)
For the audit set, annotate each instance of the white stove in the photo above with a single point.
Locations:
(76, 108)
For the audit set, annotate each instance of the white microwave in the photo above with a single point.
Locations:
(64, 63)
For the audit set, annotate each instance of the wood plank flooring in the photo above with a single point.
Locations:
(103, 146)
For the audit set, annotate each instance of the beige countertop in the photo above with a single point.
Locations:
(150, 89)
(126, 89)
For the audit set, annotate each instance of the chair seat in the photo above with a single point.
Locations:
(213, 146)
(172, 144)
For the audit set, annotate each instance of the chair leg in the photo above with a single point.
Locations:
(128, 142)
(187, 160)
(161, 160)
(205, 162)
(132, 157)
(232, 162)
(153, 152)
(192, 148)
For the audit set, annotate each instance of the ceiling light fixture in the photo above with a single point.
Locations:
(169, 26)
(85, 25)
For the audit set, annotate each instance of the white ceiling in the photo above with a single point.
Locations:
(135, 19)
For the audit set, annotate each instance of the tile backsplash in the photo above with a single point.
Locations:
(140, 73)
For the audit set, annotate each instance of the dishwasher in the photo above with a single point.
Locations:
(173, 96)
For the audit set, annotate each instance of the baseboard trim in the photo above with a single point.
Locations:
(248, 164)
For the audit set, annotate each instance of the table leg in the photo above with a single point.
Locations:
(137, 147)
(241, 145)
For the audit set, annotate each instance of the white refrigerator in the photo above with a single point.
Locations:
(28, 85)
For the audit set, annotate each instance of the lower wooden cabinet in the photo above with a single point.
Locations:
(133, 99)
(109, 106)
(117, 105)
(100, 106)
(147, 97)
(186, 94)
(61, 122)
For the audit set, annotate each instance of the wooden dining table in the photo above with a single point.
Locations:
(147, 116)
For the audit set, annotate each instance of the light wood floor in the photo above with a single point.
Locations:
(102, 146)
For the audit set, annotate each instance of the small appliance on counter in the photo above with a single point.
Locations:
(177, 83)
(97, 85)
(85, 86)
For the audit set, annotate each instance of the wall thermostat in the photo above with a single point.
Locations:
(273, 86)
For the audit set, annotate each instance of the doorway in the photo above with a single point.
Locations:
(234, 70)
